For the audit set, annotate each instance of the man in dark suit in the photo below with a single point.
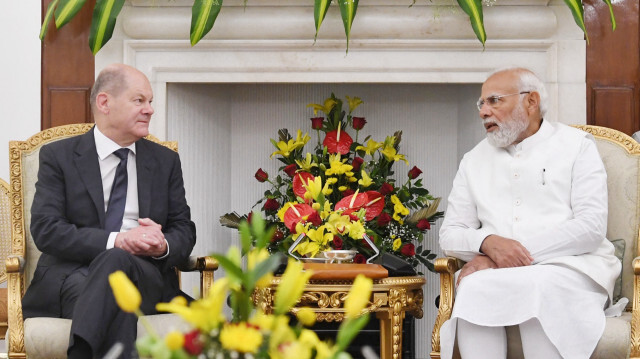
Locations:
(108, 200)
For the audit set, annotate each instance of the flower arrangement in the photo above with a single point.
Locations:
(250, 333)
(343, 189)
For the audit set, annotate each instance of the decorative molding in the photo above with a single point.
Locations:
(621, 139)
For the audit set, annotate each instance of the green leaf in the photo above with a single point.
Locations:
(349, 329)
(47, 18)
(104, 20)
(203, 15)
(578, 15)
(473, 8)
(613, 18)
(320, 9)
(268, 265)
(348, 10)
(67, 10)
(245, 235)
(231, 268)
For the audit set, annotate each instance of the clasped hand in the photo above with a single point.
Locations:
(145, 240)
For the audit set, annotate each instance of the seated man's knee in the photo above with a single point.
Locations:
(115, 258)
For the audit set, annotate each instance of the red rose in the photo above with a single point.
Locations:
(271, 204)
(356, 163)
(423, 224)
(414, 172)
(192, 343)
(316, 122)
(261, 175)
(383, 219)
(358, 123)
(336, 242)
(315, 219)
(386, 188)
(291, 170)
(408, 250)
(277, 235)
(347, 192)
(359, 258)
(249, 217)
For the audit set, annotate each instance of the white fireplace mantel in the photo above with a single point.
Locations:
(271, 41)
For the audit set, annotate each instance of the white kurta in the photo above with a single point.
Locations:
(548, 192)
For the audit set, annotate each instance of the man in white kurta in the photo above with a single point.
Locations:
(528, 212)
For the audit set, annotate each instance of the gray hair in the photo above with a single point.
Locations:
(111, 80)
(531, 83)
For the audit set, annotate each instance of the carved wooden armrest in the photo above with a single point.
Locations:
(447, 268)
(635, 313)
(15, 336)
(206, 266)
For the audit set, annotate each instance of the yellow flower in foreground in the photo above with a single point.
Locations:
(306, 316)
(291, 286)
(397, 244)
(366, 181)
(371, 148)
(126, 294)
(255, 257)
(358, 296)
(174, 340)
(240, 337)
(391, 154)
(398, 209)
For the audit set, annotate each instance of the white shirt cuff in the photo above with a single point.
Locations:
(111, 242)
(166, 254)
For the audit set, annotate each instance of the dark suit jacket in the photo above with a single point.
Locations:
(67, 215)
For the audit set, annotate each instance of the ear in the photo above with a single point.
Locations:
(533, 102)
(102, 103)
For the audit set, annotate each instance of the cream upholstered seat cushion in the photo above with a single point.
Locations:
(51, 339)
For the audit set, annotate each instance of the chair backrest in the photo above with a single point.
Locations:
(621, 156)
(23, 164)
(5, 228)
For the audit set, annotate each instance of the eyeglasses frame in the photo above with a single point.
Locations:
(482, 101)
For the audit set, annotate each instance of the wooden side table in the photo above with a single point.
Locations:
(391, 298)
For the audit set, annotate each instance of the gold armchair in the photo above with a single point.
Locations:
(621, 338)
(49, 337)
(5, 239)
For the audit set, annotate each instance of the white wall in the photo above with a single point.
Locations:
(19, 76)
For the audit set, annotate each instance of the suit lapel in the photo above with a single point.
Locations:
(145, 164)
(85, 158)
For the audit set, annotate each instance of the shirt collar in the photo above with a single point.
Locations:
(545, 131)
(105, 146)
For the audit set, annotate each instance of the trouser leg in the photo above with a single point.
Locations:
(97, 319)
(479, 342)
(535, 343)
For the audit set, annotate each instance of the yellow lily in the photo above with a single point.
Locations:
(126, 294)
(338, 224)
(366, 181)
(397, 244)
(371, 147)
(354, 102)
(391, 154)
(338, 166)
(326, 211)
(314, 188)
(291, 286)
(240, 337)
(398, 209)
(307, 317)
(285, 148)
(255, 257)
(326, 107)
(358, 296)
(302, 140)
(307, 163)
(356, 230)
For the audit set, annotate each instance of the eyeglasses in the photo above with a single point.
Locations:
(494, 100)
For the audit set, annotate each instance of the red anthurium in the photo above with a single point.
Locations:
(375, 205)
(291, 170)
(408, 250)
(337, 144)
(297, 213)
(352, 202)
(299, 180)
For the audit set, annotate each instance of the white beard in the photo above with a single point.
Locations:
(509, 130)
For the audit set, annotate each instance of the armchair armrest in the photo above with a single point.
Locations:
(447, 268)
(635, 312)
(206, 266)
(15, 289)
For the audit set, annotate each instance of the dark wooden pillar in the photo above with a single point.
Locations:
(68, 69)
(613, 66)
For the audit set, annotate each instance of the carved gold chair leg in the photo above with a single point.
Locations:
(15, 337)
(635, 314)
(206, 266)
(447, 268)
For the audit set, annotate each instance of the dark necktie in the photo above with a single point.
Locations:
(118, 197)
